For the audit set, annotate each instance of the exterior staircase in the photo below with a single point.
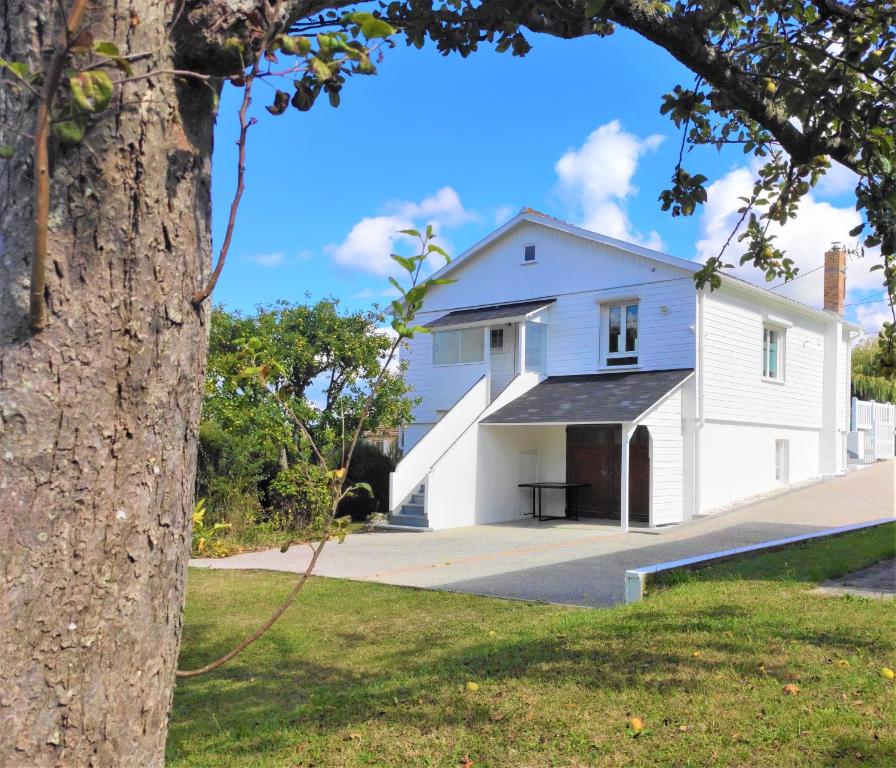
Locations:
(412, 515)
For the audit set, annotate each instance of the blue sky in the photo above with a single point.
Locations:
(572, 129)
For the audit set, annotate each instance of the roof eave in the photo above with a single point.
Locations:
(562, 226)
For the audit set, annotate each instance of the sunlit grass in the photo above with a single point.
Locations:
(369, 675)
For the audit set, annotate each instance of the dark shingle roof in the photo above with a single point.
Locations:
(494, 312)
(599, 397)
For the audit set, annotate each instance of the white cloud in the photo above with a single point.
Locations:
(369, 242)
(837, 181)
(871, 316)
(503, 214)
(805, 239)
(268, 259)
(389, 292)
(596, 179)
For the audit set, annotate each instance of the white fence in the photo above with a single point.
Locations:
(872, 434)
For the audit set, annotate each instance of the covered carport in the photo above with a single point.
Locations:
(625, 440)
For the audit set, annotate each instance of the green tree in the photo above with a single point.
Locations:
(323, 363)
(869, 381)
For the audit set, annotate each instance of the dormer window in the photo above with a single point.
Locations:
(528, 254)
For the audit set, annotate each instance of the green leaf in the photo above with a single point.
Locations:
(106, 48)
(366, 487)
(91, 91)
(374, 28)
(281, 102)
(410, 232)
(408, 263)
(19, 69)
(6, 151)
(70, 131)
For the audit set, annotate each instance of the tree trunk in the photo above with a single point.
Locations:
(99, 411)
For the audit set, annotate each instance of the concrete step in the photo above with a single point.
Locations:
(406, 528)
(417, 499)
(413, 509)
(416, 521)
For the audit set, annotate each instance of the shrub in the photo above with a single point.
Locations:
(300, 497)
(206, 540)
(369, 465)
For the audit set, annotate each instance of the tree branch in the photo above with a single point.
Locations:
(37, 313)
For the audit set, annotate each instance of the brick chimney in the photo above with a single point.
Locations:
(835, 278)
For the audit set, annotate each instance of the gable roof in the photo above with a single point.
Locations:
(594, 398)
(530, 215)
(542, 219)
(512, 311)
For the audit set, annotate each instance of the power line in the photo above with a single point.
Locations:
(801, 274)
(867, 300)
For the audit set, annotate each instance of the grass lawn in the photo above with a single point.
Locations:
(370, 675)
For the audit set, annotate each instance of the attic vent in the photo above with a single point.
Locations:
(529, 253)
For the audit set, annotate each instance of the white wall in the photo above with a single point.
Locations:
(413, 468)
(734, 389)
(667, 465)
(579, 273)
(438, 386)
(476, 483)
(502, 363)
(738, 460)
(452, 483)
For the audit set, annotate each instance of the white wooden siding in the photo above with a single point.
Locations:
(438, 386)
(503, 363)
(666, 461)
(734, 389)
(564, 263)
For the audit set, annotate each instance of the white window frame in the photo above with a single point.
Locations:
(782, 462)
(491, 339)
(540, 365)
(781, 333)
(534, 259)
(606, 355)
(476, 330)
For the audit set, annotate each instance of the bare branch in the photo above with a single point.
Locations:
(37, 313)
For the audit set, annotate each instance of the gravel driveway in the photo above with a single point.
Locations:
(577, 563)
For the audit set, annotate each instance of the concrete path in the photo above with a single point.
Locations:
(577, 563)
(878, 581)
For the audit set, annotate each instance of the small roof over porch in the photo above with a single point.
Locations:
(518, 310)
(598, 398)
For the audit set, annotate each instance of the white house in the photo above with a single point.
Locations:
(562, 356)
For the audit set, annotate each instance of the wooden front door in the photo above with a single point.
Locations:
(594, 455)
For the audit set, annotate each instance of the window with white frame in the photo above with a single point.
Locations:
(782, 461)
(496, 339)
(621, 340)
(529, 253)
(466, 345)
(772, 353)
(536, 347)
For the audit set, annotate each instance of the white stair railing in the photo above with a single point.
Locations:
(413, 468)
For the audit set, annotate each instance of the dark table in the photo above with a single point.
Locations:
(570, 510)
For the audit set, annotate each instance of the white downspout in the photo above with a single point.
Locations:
(487, 356)
(700, 415)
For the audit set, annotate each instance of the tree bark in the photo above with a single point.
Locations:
(99, 411)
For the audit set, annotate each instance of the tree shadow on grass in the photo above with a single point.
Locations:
(416, 681)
